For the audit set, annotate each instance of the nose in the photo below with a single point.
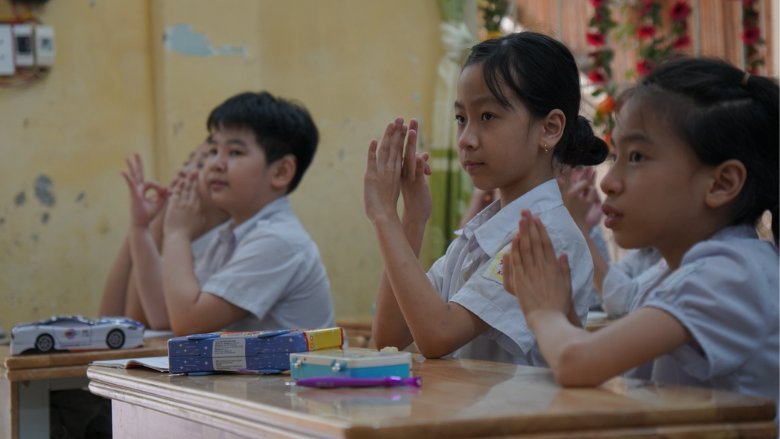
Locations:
(612, 183)
(215, 162)
(467, 136)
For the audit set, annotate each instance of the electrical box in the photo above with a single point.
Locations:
(6, 50)
(44, 45)
(23, 37)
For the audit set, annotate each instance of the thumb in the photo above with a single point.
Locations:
(506, 272)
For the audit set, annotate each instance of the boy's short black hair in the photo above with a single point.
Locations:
(280, 126)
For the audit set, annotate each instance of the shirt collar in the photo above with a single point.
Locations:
(494, 226)
(279, 205)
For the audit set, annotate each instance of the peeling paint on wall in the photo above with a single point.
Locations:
(43, 193)
(80, 197)
(20, 199)
(182, 39)
(45, 217)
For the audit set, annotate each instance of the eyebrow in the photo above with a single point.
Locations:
(631, 137)
(478, 101)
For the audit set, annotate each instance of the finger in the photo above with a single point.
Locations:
(396, 145)
(188, 192)
(410, 150)
(563, 262)
(427, 166)
(371, 162)
(139, 167)
(525, 252)
(516, 263)
(506, 272)
(131, 173)
(578, 188)
(590, 175)
(536, 240)
(383, 152)
(547, 247)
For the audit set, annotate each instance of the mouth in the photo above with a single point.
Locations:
(216, 185)
(471, 166)
(611, 216)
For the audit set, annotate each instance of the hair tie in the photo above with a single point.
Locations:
(745, 79)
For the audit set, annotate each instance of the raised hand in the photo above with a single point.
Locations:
(382, 181)
(184, 214)
(540, 281)
(581, 197)
(414, 187)
(146, 198)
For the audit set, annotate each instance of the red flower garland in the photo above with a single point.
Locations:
(599, 70)
(654, 48)
(751, 36)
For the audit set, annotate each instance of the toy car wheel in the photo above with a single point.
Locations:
(44, 343)
(115, 339)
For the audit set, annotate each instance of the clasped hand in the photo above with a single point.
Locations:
(184, 207)
(394, 168)
(540, 281)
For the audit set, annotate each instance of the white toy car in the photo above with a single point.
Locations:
(75, 333)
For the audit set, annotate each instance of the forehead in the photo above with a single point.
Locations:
(232, 134)
(473, 90)
(636, 115)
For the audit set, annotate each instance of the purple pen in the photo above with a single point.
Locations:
(330, 382)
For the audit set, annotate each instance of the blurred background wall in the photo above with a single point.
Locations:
(142, 76)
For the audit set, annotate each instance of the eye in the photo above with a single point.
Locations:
(634, 157)
(460, 120)
(236, 152)
(488, 116)
(212, 151)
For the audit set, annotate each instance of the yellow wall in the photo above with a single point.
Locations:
(116, 88)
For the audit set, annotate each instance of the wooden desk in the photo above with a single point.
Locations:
(25, 382)
(459, 398)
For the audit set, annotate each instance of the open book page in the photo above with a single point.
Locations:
(159, 364)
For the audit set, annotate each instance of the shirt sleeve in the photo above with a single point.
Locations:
(257, 275)
(715, 298)
(625, 278)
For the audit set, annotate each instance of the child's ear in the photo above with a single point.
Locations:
(552, 127)
(728, 178)
(283, 172)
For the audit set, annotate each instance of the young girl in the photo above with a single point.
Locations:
(695, 166)
(121, 292)
(516, 109)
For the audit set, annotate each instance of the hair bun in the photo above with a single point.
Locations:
(587, 149)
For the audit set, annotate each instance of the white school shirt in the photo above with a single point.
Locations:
(597, 236)
(200, 245)
(725, 293)
(469, 273)
(270, 267)
(635, 272)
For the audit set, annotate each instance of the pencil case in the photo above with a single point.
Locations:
(350, 362)
(257, 351)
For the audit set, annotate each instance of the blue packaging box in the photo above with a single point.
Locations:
(351, 363)
(257, 351)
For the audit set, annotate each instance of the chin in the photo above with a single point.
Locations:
(627, 241)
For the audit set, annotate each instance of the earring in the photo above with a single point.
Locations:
(545, 147)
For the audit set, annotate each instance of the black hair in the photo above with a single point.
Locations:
(542, 73)
(281, 127)
(723, 113)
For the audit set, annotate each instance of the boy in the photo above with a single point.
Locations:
(262, 270)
